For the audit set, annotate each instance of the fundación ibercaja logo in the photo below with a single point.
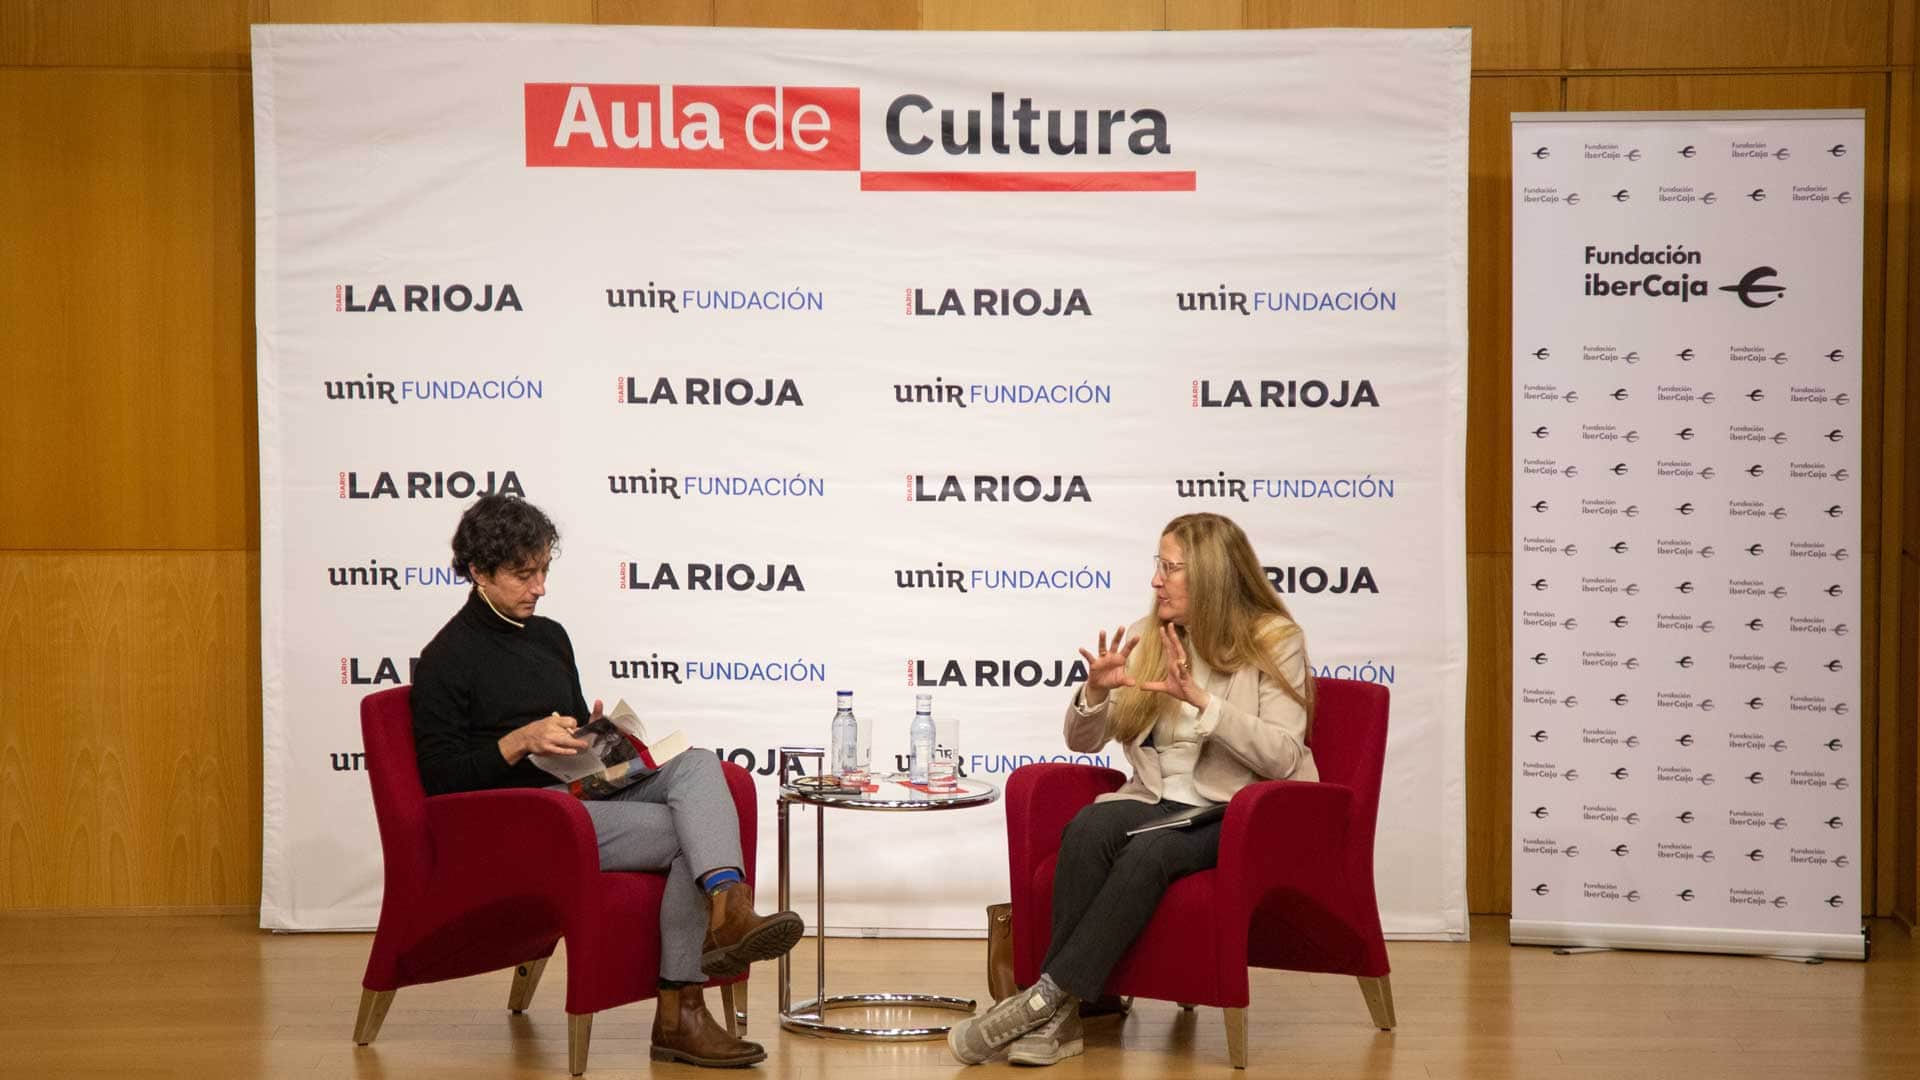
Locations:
(1757, 287)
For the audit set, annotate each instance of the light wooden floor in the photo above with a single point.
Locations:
(215, 997)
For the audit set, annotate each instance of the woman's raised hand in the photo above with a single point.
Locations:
(1179, 682)
(1107, 671)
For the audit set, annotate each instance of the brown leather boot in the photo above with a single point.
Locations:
(736, 937)
(683, 1030)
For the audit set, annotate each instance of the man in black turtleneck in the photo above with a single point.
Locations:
(481, 680)
(499, 683)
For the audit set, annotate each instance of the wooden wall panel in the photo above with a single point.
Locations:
(1508, 35)
(1906, 85)
(406, 11)
(1897, 818)
(1903, 44)
(819, 14)
(1875, 843)
(1725, 33)
(1640, 34)
(654, 12)
(1490, 304)
(126, 291)
(116, 33)
(129, 729)
(1026, 15)
(1906, 90)
(1206, 15)
(1906, 94)
(1490, 734)
(1894, 784)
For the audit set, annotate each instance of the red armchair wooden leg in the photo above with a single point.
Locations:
(1185, 1007)
(373, 1013)
(1237, 1037)
(1379, 995)
(526, 979)
(579, 1033)
(726, 1006)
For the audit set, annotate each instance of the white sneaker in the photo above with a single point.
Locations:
(976, 1038)
(1052, 1042)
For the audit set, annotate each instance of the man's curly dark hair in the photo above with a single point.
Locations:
(498, 531)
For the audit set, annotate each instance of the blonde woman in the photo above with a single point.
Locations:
(1207, 694)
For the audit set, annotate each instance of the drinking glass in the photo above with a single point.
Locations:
(943, 767)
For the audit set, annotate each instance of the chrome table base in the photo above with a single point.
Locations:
(811, 1016)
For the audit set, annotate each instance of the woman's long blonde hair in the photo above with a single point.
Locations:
(1230, 622)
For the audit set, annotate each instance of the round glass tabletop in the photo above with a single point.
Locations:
(893, 793)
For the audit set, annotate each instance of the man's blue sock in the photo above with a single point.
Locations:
(721, 878)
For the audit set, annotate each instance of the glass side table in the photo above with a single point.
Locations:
(810, 1016)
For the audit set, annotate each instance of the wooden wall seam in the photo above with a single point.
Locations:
(1892, 490)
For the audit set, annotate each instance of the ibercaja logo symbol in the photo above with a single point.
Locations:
(996, 140)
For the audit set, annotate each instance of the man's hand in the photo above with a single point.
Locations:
(548, 735)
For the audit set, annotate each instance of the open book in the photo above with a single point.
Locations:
(1192, 817)
(617, 754)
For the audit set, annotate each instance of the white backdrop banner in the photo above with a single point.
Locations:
(1686, 530)
(856, 360)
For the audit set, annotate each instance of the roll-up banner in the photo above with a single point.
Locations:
(866, 361)
(1686, 530)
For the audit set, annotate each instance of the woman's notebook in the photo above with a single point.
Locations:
(1184, 819)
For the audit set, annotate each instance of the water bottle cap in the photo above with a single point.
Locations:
(923, 702)
(843, 693)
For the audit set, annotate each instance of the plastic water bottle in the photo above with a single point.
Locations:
(845, 754)
(920, 738)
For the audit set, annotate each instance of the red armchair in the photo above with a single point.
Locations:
(484, 880)
(1293, 888)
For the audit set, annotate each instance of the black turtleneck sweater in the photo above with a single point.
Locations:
(480, 678)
